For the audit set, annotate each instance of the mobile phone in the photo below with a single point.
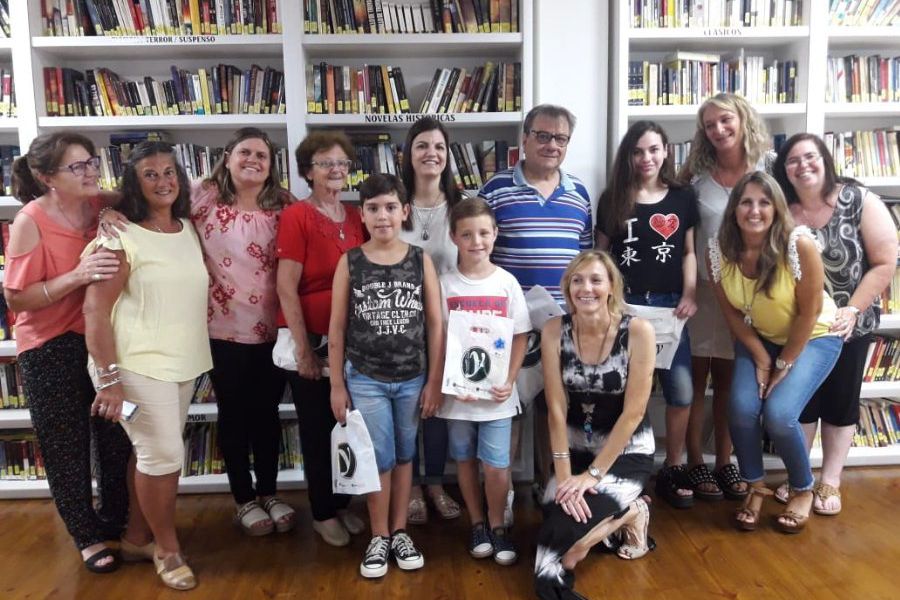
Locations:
(129, 410)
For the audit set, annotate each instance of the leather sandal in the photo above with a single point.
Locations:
(253, 519)
(637, 541)
(752, 507)
(783, 492)
(417, 513)
(799, 521)
(90, 563)
(823, 492)
(699, 475)
(669, 480)
(282, 515)
(175, 572)
(134, 553)
(445, 506)
(729, 478)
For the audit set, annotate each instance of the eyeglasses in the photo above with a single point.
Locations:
(544, 137)
(796, 161)
(80, 168)
(331, 164)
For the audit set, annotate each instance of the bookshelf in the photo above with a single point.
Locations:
(809, 42)
(29, 51)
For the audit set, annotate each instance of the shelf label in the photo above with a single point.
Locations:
(179, 39)
(200, 418)
(407, 117)
(723, 32)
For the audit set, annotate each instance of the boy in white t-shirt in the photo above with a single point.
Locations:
(479, 430)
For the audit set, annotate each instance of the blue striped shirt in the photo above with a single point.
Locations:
(538, 237)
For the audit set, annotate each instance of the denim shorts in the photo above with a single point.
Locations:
(391, 413)
(676, 381)
(486, 440)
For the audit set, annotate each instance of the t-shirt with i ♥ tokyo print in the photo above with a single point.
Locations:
(385, 337)
(650, 249)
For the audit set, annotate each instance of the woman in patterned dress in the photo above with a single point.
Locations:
(598, 367)
(860, 253)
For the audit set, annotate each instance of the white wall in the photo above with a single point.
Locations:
(571, 69)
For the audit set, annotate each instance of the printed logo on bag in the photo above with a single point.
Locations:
(532, 349)
(346, 460)
(476, 364)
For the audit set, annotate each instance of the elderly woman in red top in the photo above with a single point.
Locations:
(312, 237)
(44, 284)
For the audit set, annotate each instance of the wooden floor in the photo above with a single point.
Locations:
(855, 555)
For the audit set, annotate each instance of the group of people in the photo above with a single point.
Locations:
(774, 261)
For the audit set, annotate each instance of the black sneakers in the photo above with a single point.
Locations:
(480, 545)
(505, 552)
(375, 561)
(405, 553)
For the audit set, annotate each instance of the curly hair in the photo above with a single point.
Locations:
(702, 158)
(134, 205)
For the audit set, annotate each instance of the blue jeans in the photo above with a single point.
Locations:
(780, 412)
(676, 381)
(391, 413)
(488, 441)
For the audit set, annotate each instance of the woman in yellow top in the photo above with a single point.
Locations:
(769, 281)
(147, 338)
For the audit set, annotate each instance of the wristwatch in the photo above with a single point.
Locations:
(594, 472)
(781, 365)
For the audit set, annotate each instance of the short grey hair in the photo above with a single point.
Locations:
(548, 110)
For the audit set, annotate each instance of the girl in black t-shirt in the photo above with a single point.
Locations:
(646, 222)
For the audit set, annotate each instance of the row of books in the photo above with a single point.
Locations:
(488, 88)
(4, 19)
(890, 296)
(856, 78)
(342, 89)
(8, 153)
(691, 77)
(198, 162)
(20, 457)
(159, 17)
(221, 89)
(883, 360)
(202, 455)
(12, 394)
(433, 16)
(715, 13)
(879, 423)
(864, 12)
(865, 153)
(7, 94)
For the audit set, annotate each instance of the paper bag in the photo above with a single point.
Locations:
(353, 467)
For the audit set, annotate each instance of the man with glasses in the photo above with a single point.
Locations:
(543, 221)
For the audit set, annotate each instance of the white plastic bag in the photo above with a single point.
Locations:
(284, 354)
(478, 353)
(353, 467)
(667, 328)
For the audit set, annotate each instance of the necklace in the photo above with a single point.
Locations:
(69, 221)
(160, 229)
(748, 306)
(337, 219)
(426, 222)
(578, 341)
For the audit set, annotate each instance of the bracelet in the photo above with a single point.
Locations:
(112, 369)
(46, 293)
(107, 375)
(561, 455)
(103, 386)
(853, 309)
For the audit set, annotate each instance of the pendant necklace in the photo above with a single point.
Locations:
(587, 408)
(83, 232)
(333, 220)
(426, 223)
(748, 306)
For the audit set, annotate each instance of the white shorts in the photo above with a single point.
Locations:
(710, 335)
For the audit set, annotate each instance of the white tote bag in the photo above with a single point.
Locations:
(353, 467)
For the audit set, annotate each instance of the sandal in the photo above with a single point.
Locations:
(282, 515)
(253, 519)
(91, 565)
(798, 519)
(752, 507)
(669, 480)
(699, 475)
(783, 492)
(823, 492)
(637, 541)
(446, 506)
(417, 513)
(134, 553)
(729, 478)
(175, 572)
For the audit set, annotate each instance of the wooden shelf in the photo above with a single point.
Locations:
(15, 418)
(880, 389)
(858, 457)
(881, 182)
(404, 120)
(228, 122)
(664, 38)
(9, 124)
(665, 112)
(6, 45)
(862, 109)
(221, 47)
(437, 45)
(7, 348)
(890, 322)
(857, 37)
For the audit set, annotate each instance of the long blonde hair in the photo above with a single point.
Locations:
(616, 301)
(755, 136)
(774, 251)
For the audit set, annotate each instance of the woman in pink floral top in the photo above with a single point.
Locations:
(236, 213)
